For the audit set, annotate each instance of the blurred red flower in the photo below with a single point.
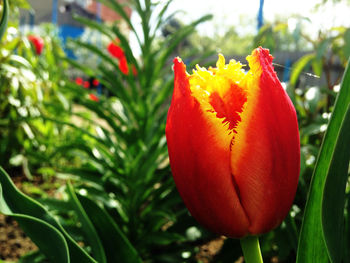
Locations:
(115, 50)
(37, 42)
(79, 81)
(95, 82)
(123, 66)
(134, 70)
(86, 84)
(93, 97)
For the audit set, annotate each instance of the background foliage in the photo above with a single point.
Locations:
(105, 190)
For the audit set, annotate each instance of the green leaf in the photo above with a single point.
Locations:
(317, 67)
(31, 257)
(323, 217)
(88, 71)
(322, 47)
(160, 16)
(12, 201)
(95, 25)
(299, 66)
(87, 227)
(346, 47)
(337, 175)
(4, 18)
(97, 51)
(117, 246)
(50, 241)
(169, 46)
(119, 9)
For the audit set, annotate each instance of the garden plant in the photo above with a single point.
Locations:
(163, 162)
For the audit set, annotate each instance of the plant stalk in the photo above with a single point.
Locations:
(251, 249)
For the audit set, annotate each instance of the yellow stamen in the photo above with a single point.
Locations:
(220, 81)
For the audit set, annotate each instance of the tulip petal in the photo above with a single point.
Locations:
(265, 153)
(233, 145)
(198, 145)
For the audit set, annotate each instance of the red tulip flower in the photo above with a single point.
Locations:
(86, 84)
(115, 50)
(37, 42)
(134, 70)
(93, 97)
(123, 66)
(233, 145)
(79, 81)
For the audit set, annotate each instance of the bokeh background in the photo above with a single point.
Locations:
(83, 110)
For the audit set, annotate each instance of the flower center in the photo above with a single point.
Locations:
(230, 105)
(221, 90)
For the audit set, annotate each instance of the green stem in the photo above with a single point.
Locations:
(251, 249)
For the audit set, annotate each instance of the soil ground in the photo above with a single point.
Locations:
(13, 242)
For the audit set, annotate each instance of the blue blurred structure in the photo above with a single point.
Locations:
(67, 31)
(99, 12)
(31, 19)
(54, 11)
(68, 27)
(59, 13)
(261, 15)
(99, 42)
(287, 68)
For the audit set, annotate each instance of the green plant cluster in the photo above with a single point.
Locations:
(30, 85)
(115, 199)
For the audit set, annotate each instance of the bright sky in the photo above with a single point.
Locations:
(228, 12)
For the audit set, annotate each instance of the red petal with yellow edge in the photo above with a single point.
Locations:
(198, 146)
(266, 153)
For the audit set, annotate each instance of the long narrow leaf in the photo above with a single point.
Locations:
(175, 40)
(337, 174)
(120, 10)
(86, 70)
(95, 25)
(118, 248)
(52, 244)
(49, 240)
(319, 230)
(4, 18)
(160, 16)
(299, 66)
(14, 201)
(87, 227)
(97, 51)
